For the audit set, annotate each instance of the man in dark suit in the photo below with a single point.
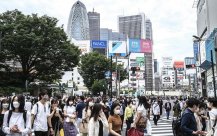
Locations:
(168, 107)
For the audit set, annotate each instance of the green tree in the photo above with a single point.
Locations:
(93, 67)
(99, 86)
(37, 44)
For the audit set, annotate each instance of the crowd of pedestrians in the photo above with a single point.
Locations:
(103, 116)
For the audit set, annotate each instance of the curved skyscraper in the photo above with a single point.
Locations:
(78, 25)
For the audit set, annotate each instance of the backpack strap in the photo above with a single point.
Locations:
(9, 116)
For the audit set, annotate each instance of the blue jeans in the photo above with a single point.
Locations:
(168, 114)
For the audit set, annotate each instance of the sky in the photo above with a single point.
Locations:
(174, 21)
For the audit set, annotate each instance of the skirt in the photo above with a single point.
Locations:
(69, 129)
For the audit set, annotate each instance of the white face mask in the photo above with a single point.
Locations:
(5, 105)
(91, 104)
(70, 103)
(16, 104)
(117, 112)
(107, 103)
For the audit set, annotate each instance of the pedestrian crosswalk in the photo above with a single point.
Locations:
(163, 128)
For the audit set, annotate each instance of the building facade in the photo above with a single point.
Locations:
(206, 31)
(149, 34)
(78, 24)
(94, 25)
(133, 27)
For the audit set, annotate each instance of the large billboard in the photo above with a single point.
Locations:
(96, 44)
(84, 46)
(140, 46)
(189, 62)
(134, 45)
(118, 48)
(179, 65)
(167, 61)
(146, 46)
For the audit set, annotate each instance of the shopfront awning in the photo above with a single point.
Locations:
(206, 65)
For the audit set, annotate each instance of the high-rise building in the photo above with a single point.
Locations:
(206, 30)
(94, 25)
(105, 34)
(148, 34)
(156, 66)
(132, 26)
(78, 24)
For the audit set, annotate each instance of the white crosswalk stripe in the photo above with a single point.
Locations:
(163, 128)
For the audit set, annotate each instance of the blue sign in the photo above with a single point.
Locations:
(98, 44)
(195, 46)
(134, 45)
(107, 74)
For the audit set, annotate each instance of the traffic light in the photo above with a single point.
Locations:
(133, 70)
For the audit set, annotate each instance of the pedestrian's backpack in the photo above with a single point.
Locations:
(176, 107)
(176, 126)
(24, 117)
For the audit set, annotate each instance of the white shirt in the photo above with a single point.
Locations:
(17, 119)
(93, 126)
(69, 111)
(156, 109)
(28, 106)
(141, 109)
(213, 116)
(40, 122)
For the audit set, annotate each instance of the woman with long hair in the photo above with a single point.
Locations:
(98, 123)
(56, 118)
(142, 119)
(70, 127)
(114, 120)
(86, 117)
(17, 122)
(4, 107)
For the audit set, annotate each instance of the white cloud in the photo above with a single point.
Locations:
(174, 21)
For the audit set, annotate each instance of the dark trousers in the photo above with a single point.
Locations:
(41, 133)
(128, 126)
(168, 114)
(156, 118)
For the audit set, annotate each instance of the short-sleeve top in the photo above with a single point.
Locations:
(69, 111)
(116, 122)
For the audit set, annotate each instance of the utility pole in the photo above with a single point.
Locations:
(213, 74)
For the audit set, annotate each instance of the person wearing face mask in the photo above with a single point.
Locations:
(198, 119)
(40, 114)
(70, 126)
(85, 117)
(106, 108)
(17, 121)
(56, 118)
(114, 120)
(128, 115)
(98, 124)
(188, 121)
(4, 107)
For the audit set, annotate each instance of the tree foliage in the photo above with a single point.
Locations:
(99, 86)
(93, 67)
(37, 44)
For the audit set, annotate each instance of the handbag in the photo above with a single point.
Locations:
(134, 132)
(83, 127)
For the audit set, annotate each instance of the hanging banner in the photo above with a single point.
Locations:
(117, 47)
